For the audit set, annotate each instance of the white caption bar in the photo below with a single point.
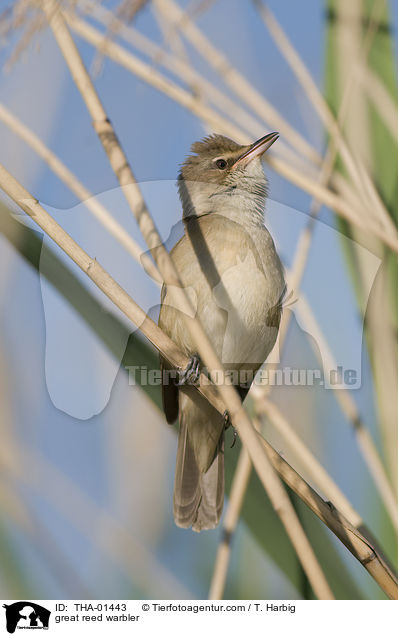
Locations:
(192, 617)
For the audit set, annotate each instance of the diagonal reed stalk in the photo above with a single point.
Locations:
(69, 179)
(366, 446)
(240, 483)
(368, 132)
(180, 68)
(350, 211)
(235, 80)
(101, 529)
(363, 438)
(314, 468)
(239, 487)
(352, 538)
(371, 200)
(174, 41)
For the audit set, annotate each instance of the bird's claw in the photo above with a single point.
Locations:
(191, 373)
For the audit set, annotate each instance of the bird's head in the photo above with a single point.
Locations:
(224, 177)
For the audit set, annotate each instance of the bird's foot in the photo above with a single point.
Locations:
(191, 373)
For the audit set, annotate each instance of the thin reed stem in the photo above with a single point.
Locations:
(320, 477)
(371, 200)
(362, 437)
(231, 110)
(236, 81)
(349, 211)
(90, 201)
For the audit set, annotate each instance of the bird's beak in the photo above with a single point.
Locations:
(257, 149)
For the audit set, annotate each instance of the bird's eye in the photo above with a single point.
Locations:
(221, 164)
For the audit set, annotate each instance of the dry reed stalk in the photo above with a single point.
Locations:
(173, 40)
(125, 176)
(333, 201)
(360, 547)
(90, 201)
(98, 526)
(365, 186)
(119, 55)
(314, 468)
(380, 310)
(364, 440)
(229, 395)
(180, 68)
(237, 493)
(150, 75)
(57, 562)
(350, 410)
(236, 81)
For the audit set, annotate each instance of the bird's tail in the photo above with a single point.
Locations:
(198, 496)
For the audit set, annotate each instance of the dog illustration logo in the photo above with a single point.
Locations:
(26, 615)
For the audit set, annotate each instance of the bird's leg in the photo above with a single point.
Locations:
(191, 373)
(227, 419)
(227, 424)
